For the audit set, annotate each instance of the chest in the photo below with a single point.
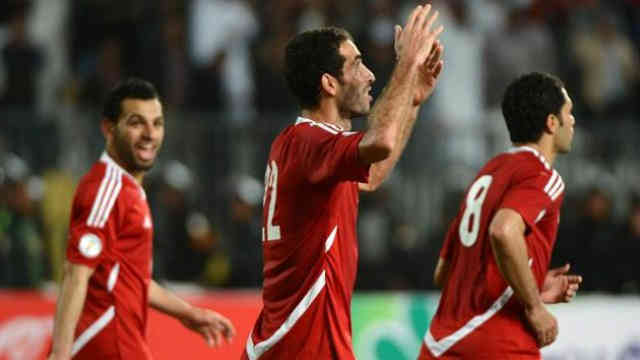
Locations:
(133, 233)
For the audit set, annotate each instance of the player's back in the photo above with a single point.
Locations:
(309, 243)
(477, 309)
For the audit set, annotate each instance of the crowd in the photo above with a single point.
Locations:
(217, 65)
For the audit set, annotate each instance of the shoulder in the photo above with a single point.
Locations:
(531, 167)
(101, 183)
(310, 130)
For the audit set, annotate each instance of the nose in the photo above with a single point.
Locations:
(370, 76)
(148, 132)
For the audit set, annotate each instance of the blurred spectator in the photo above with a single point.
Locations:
(379, 43)
(221, 32)
(242, 236)
(609, 63)
(184, 238)
(628, 248)
(107, 72)
(21, 246)
(376, 227)
(458, 100)
(22, 61)
(177, 67)
(514, 49)
(588, 244)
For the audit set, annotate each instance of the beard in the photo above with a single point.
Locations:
(125, 153)
(353, 103)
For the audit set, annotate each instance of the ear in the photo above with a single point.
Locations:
(552, 123)
(107, 126)
(329, 84)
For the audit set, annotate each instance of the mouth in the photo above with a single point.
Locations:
(145, 152)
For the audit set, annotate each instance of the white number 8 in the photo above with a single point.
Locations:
(470, 223)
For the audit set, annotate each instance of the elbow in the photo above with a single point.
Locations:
(376, 146)
(499, 233)
(382, 148)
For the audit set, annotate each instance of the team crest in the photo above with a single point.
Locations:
(90, 245)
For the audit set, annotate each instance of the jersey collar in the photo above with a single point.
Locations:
(302, 120)
(105, 158)
(535, 152)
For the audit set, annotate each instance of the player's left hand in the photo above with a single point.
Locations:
(429, 70)
(211, 325)
(559, 286)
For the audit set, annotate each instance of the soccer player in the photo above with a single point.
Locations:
(107, 286)
(314, 171)
(493, 266)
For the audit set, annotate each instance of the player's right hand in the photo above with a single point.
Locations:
(543, 324)
(414, 43)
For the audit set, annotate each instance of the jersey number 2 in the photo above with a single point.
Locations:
(271, 187)
(470, 223)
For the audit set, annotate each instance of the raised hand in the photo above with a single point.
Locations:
(414, 43)
(212, 326)
(559, 286)
(428, 74)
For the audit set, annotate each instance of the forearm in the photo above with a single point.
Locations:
(166, 302)
(510, 253)
(73, 293)
(386, 121)
(380, 170)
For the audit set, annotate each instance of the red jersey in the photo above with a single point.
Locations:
(309, 242)
(478, 316)
(111, 231)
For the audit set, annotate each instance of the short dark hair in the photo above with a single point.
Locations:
(309, 55)
(131, 88)
(527, 103)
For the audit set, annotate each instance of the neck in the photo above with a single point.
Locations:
(545, 148)
(327, 114)
(137, 175)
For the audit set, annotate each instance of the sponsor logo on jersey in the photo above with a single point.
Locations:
(90, 245)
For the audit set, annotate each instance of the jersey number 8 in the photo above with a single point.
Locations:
(470, 223)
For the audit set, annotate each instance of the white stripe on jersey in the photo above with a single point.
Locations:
(555, 187)
(93, 330)
(112, 199)
(554, 195)
(533, 151)
(99, 197)
(331, 128)
(438, 348)
(113, 277)
(325, 128)
(329, 242)
(551, 181)
(254, 352)
(112, 190)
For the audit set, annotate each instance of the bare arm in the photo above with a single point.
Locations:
(506, 232)
(211, 325)
(441, 273)
(423, 88)
(391, 111)
(70, 303)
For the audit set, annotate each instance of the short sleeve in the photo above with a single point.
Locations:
(445, 252)
(332, 156)
(532, 194)
(88, 235)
